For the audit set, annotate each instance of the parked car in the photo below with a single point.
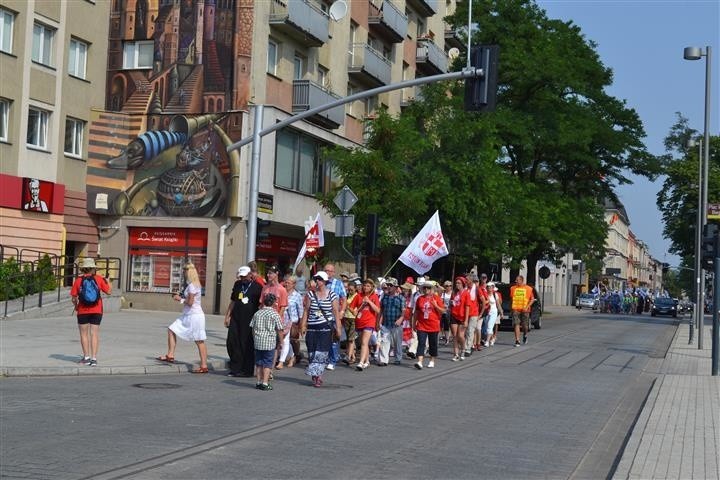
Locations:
(587, 300)
(664, 306)
(535, 310)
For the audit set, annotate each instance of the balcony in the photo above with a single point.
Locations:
(430, 59)
(387, 21)
(308, 95)
(301, 20)
(424, 8)
(368, 66)
(452, 37)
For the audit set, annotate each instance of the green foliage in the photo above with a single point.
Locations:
(11, 280)
(17, 280)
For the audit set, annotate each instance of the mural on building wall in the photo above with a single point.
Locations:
(176, 69)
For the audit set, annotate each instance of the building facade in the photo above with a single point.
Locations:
(182, 78)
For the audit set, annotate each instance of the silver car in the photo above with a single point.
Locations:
(587, 300)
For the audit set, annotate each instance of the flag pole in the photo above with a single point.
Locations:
(391, 267)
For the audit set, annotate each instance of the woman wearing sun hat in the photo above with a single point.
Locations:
(365, 306)
(89, 315)
(426, 322)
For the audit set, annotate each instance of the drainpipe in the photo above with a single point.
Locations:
(218, 270)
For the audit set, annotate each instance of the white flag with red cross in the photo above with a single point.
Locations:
(426, 247)
(314, 239)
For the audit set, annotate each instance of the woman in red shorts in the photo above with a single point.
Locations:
(365, 306)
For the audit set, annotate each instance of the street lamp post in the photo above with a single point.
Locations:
(696, 53)
(699, 276)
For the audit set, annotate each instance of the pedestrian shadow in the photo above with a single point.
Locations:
(65, 358)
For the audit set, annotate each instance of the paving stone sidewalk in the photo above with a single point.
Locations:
(677, 435)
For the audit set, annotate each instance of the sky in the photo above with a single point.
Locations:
(643, 42)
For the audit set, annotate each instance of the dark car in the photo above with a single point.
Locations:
(664, 306)
(535, 310)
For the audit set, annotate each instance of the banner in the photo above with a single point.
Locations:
(426, 247)
(314, 238)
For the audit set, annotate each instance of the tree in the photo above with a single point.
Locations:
(564, 138)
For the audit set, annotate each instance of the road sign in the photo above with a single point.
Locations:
(544, 272)
(713, 211)
(344, 225)
(345, 199)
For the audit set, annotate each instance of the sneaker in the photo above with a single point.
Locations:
(468, 353)
(492, 342)
(265, 387)
(330, 367)
(84, 361)
(524, 339)
(258, 385)
(486, 343)
(462, 357)
(455, 358)
(411, 355)
(397, 362)
(93, 362)
(431, 364)
(360, 367)
(418, 365)
(517, 343)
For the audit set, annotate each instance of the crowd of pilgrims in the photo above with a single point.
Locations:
(374, 322)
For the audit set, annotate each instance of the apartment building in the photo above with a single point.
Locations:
(52, 72)
(182, 80)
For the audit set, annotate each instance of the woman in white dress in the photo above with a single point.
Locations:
(191, 324)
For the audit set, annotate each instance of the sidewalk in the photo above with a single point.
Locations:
(129, 342)
(677, 434)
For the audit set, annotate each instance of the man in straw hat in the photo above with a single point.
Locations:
(86, 297)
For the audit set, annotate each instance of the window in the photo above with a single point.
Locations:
(323, 78)
(299, 164)
(77, 58)
(37, 128)
(4, 119)
(272, 57)
(298, 67)
(137, 55)
(42, 44)
(7, 21)
(74, 136)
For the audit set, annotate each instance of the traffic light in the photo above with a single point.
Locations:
(481, 92)
(356, 245)
(261, 232)
(710, 245)
(371, 233)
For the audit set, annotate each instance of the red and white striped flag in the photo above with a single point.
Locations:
(426, 247)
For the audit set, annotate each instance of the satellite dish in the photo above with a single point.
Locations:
(338, 10)
(453, 53)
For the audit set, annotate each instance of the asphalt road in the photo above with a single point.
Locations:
(559, 407)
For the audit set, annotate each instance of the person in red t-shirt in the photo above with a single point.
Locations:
(89, 316)
(426, 322)
(459, 313)
(365, 306)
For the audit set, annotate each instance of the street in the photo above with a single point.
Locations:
(559, 407)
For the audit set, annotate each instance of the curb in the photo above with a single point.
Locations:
(159, 369)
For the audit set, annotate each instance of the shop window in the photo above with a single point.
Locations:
(157, 256)
(299, 164)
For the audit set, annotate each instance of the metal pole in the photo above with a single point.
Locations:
(706, 162)
(254, 183)
(698, 248)
(469, 32)
(716, 310)
(465, 73)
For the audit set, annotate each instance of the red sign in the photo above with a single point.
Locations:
(274, 244)
(161, 272)
(168, 238)
(37, 195)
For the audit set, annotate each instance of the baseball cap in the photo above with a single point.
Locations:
(243, 271)
(321, 275)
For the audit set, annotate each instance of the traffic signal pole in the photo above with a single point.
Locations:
(259, 132)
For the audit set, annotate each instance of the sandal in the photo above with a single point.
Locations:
(279, 366)
(166, 359)
(200, 370)
(291, 363)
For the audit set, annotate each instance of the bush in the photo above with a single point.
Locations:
(16, 281)
(11, 280)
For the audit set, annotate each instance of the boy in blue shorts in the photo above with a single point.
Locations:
(267, 328)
